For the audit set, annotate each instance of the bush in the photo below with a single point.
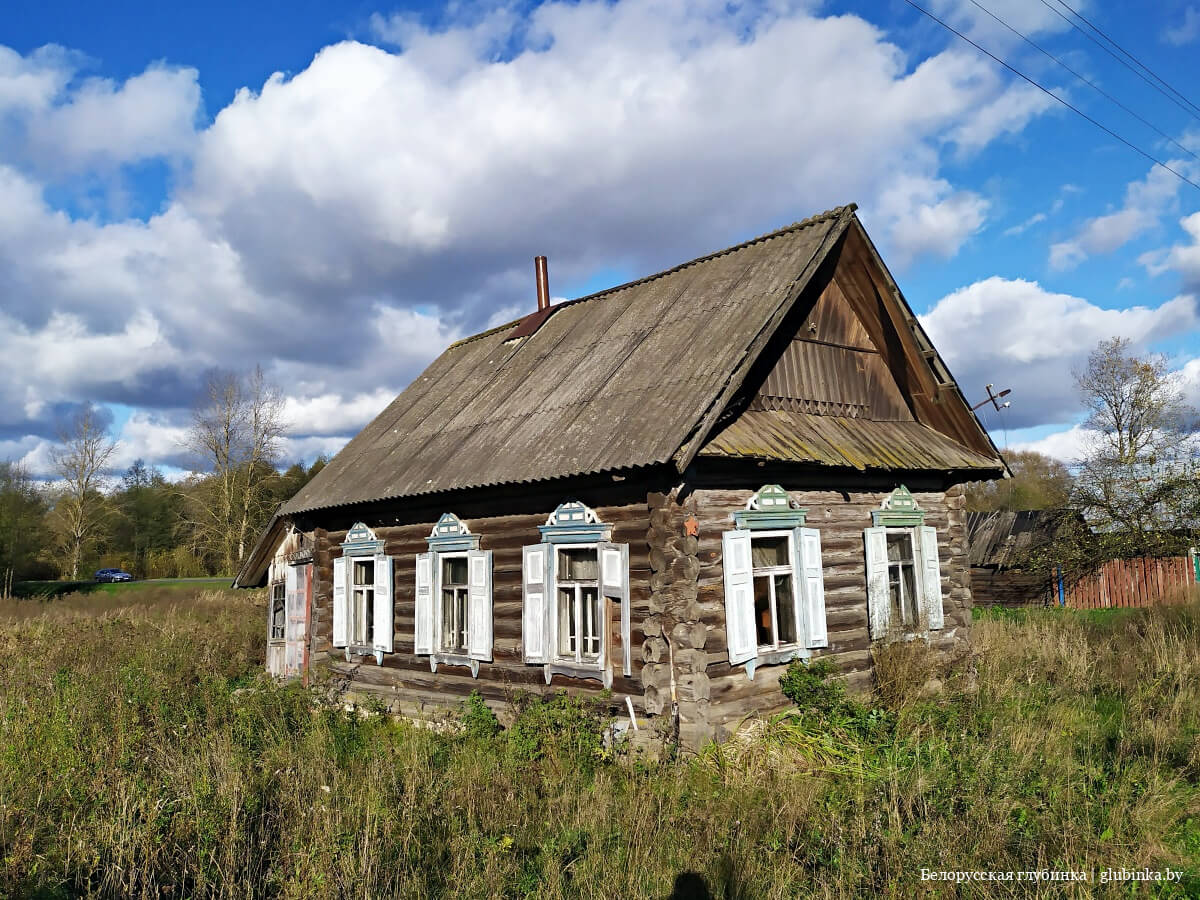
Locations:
(477, 718)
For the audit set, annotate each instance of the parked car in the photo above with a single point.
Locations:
(112, 575)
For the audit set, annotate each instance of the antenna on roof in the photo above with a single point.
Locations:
(994, 399)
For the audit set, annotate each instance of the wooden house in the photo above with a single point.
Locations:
(668, 489)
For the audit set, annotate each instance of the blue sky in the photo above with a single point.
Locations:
(336, 191)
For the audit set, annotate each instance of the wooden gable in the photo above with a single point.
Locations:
(849, 372)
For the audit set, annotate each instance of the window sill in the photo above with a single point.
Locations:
(453, 659)
(775, 658)
(354, 650)
(575, 670)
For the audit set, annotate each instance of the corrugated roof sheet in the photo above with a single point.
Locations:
(999, 538)
(615, 380)
(839, 441)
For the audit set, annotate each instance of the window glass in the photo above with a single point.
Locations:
(364, 572)
(278, 614)
(579, 564)
(902, 588)
(566, 622)
(762, 611)
(454, 570)
(785, 608)
(769, 551)
(591, 623)
(454, 604)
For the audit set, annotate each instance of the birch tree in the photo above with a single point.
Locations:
(236, 431)
(1137, 475)
(79, 461)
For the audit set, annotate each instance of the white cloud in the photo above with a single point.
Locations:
(1146, 202)
(333, 414)
(342, 225)
(55, 123)
(1182, 258)
(1025, 226)
(926, 216)
(1186, 31)
(1067, 445)
(1015, 334)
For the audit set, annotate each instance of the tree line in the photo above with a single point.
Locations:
(204, 524)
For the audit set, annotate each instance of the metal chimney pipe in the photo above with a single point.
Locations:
(543, 282)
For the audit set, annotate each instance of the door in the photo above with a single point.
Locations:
(299, 603)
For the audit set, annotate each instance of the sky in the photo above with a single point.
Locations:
(336, 191)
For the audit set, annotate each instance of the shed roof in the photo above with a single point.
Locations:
(633, 376)
(999, 538)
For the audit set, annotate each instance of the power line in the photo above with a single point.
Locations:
(1049, 93)
(1185, 105)
(1125, 52)
(1087, 81)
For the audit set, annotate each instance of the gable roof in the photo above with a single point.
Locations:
(634, 376)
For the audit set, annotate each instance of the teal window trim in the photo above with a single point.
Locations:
(898, 510)
(770, 507)
(574, 523)
(361, 541)
(451, 534)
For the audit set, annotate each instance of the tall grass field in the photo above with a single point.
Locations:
(142, 754)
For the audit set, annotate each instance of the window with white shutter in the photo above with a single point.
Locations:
(774, 585)
(363, 589)
(904, 580)
(575, 581)
(454, 597)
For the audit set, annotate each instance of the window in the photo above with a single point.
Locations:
(902, 580)
(278, 611)
(453, 611)
(774, 584)
(573, 582)
(454, 604)
(774, 590)
(580, 634)
(362, 595)
(362, 602)
(904, 574)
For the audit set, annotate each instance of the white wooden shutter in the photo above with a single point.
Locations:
(614, 583)
(931, 578)
(811, 580)
(384, 619)
(878, 608)
(535, 569)
(479, 604)
(739, 596)
(423, 611)
(340, 606)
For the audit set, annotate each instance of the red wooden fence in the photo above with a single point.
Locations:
(1131, 582)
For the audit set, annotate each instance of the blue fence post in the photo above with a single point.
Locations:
(1062, 595)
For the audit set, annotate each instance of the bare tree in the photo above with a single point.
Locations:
(1136, 476)
(236, 431)
(80, 462)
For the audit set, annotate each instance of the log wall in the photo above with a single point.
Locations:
(726, 695)
(999, 587)
(677, 607)
(405, 682)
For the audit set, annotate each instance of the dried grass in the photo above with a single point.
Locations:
(141, 755)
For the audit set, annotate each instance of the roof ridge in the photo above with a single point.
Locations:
(817, 219)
